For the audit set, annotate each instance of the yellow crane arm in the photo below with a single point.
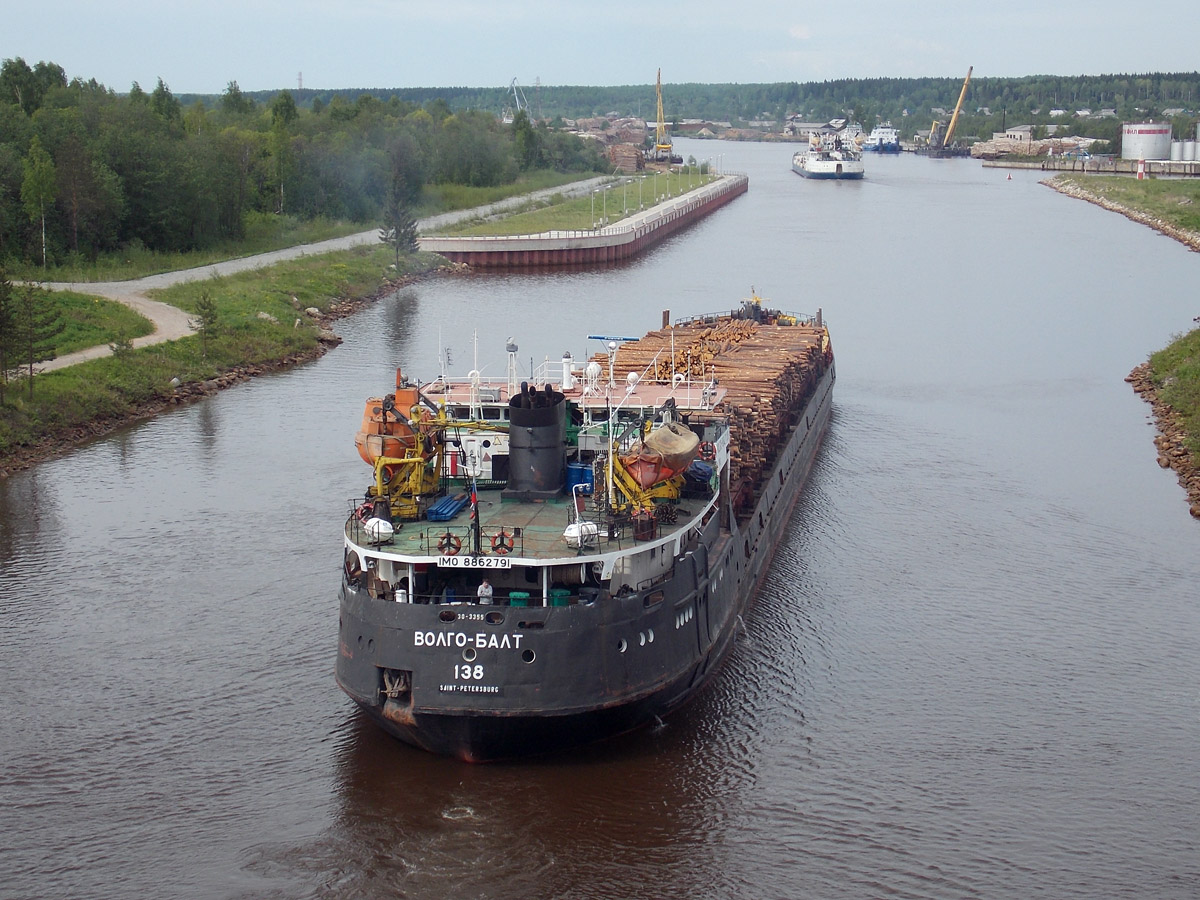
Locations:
(954, 119)
(660, 133)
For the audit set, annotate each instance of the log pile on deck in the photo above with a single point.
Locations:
(767, 371)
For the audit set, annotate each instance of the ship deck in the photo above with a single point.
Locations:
(512, 530)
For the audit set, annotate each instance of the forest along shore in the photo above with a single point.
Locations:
(1173, 435)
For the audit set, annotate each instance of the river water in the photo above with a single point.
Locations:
(974, 670)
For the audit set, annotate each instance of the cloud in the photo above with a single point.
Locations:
(800, 32)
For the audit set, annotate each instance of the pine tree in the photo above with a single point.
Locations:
(399, 227)
(38, 324)
(206, 321)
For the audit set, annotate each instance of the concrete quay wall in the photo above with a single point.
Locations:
(572, 248)
(1104, 166)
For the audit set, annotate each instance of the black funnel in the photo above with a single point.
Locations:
(537, 444)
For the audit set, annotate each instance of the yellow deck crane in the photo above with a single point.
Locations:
(939, 143)
(662, 138)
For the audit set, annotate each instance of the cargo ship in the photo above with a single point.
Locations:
(830, 156)
(543, 563)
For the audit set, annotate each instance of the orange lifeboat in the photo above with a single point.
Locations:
(385, 430)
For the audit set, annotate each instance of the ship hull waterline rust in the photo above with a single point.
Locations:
(623, 514)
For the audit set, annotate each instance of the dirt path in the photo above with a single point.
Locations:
(171, 323)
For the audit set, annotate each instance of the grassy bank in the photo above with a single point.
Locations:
(1175, 201)
(260, 321)
(92, 321)
(1175, 373)
(622, 198)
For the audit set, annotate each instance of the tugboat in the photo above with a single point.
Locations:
(541, 564)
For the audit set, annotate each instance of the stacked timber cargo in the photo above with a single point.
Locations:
(767, 370)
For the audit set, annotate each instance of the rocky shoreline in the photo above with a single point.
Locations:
(1190, 239)
(56, 444)
(1171, 438)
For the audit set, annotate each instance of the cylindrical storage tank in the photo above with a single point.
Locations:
(1146, 140)
(580, 473)
(1189, 151)
(1176, 151)
(537, 444)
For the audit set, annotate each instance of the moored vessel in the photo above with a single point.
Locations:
(882, 139)
(622, 512)
(829, 156)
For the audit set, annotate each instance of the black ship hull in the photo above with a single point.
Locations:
(548, 678)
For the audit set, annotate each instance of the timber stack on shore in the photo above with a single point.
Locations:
(767, 372)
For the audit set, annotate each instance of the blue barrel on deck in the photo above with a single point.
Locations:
(580, 473)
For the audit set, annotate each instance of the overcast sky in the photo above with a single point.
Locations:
(266, 44)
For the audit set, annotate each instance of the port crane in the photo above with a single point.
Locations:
(519, 103)
(939, 143)
(662, 138)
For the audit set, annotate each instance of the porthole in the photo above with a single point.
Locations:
(650, 635)
(641, 639)
(469, 654)
(447, 615)
(370, 645)
(528, 656)
(494, 618)
(360, 640)
(622, 646)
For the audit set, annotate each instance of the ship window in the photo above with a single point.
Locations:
(494, 618)
(469, 654)
(650, 635)
(622, 646)
(460, 412)
(491, 413)
(447, 615)
(641, 639)
(528, 656)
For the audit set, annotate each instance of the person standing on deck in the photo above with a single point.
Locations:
(485, 592)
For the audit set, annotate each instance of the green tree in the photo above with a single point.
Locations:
(234, 102)
(27, 87)
(528, 142)
(207, 321)
(38, 324)
(399, 227)
(38, 186)
(8, 331)
(283, 162)
(163, 102)
(283, 109)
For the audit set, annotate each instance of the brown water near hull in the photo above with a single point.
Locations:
(973, 669)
